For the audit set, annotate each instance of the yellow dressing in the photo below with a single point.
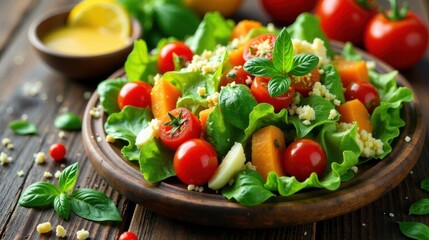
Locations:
(84, 41)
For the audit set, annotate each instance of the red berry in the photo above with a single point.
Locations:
(57, 151)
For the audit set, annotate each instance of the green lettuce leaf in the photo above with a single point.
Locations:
(140, 65)
(156, 161)
(126, 125)
(108, 91)
(332, 81)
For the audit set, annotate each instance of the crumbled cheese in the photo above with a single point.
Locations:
(59, 98)
(57, 174)
(249, 165)
(44, 227)
(306, 113)
(4, 159)
(201, 91)
(87, 95)
(148, 133)
(249, 80)
(192, 187)
(407, 139)
(61, 134)
(110, 138)
(316, 48)
(82, 234)
(322, 91)
(47, 174)
(40, 157)
(95, 112)
(63, 165)
(370, 65)
(354, 169)
(263, 49)
(10, 146)
(369, 146)
(5, 141)
(391, 214)
(20, 173)
(213, 99)
(61, 231)
(32, 89)
(332, 114)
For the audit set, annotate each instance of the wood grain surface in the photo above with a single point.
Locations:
(20, 68)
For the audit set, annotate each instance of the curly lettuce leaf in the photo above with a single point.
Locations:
(108, 91)
(126, 125)
(321, 107)
(156, 161)
(140, 65)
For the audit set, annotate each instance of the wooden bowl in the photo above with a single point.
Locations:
(172, 199)
(77, 67)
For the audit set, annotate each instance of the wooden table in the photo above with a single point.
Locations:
(21, 69)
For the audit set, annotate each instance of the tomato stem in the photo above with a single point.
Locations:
(396, 13)
(367, 4)
(176, 122)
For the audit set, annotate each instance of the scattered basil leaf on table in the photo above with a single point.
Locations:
(414, 230)
(86, 203)
(23, 127)
(420, 207)
(425, 184)
(68, 121)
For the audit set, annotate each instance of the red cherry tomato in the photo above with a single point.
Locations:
(285, 12)
(305, 84)
(344, 20)
(260, 46)
(178, 127)
(237, 74)
(128, 236)
(364, 92)
(303, 157)
(165, 59)
(57, 151)
(195, 161)
(259, 90)
(400, 43)
(135, 94)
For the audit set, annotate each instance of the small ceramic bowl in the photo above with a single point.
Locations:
(72, 66)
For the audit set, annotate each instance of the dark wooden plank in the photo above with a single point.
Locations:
(11, 15)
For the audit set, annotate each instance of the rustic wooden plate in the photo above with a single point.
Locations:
(172, 199)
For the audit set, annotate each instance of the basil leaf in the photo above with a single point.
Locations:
(38, 194)
(62, 206)
(23, 127)
(414, 230)
(93, 205)
(425, 184)
(68, 121)
(278, 85)
(303, 64)
(420, 207)
(283, 52)
(68, 177)
(260, 67)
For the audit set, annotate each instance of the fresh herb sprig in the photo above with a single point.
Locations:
(283, 64)
(86, 203)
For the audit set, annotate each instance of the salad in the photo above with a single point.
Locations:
(252, 111)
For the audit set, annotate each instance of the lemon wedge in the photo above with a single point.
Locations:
(105, 15)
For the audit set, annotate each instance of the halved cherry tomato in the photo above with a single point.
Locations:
(401, 42)
(285, 12)
(305, 83)
(179, 126)
(260, 46)
(195, 161)
(303, 157)
(345, 20)
(259, 90)
(236, 74)
(57, 151)
(128, 236)
(165, 59)
(136, 94)
(364, 92)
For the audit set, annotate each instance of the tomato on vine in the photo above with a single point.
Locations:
(166, 59)
(399, 37)
(303, 157)
(345, 20)
(135, 94)
(179, 126)
(195, 161)
(364, 92)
